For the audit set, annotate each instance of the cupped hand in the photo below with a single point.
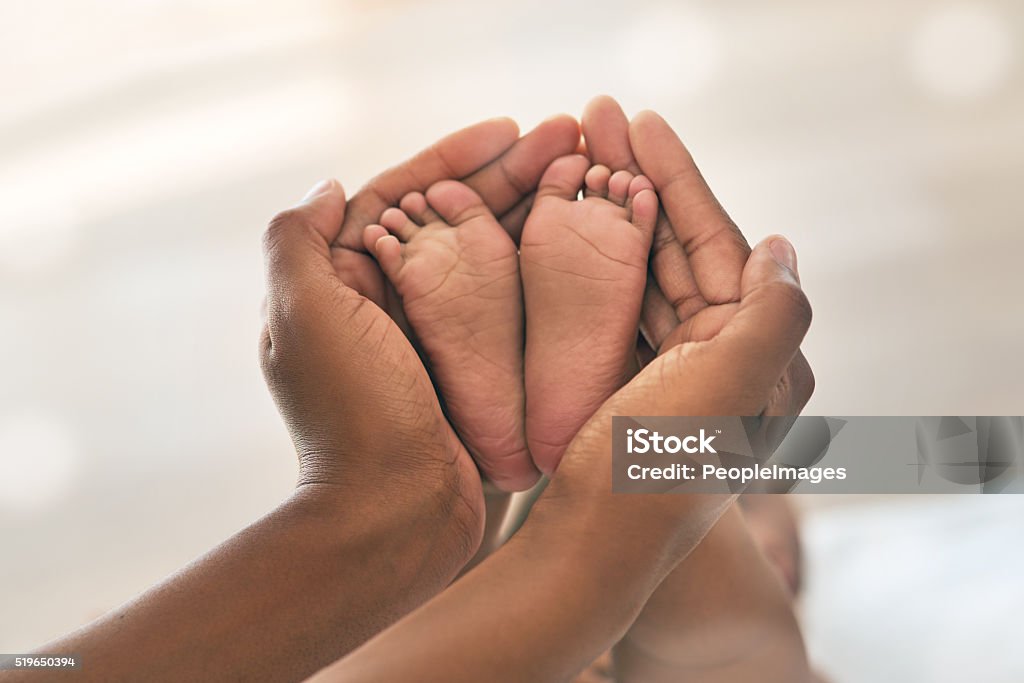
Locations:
(503, 170)
(699, 253)
(738, 371)
(725, 322)
(357, 401)
(336, 351)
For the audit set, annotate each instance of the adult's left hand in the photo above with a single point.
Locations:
(698, 254)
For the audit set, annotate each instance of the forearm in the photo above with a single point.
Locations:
(556, 596)
(721, 615)
(297, 589)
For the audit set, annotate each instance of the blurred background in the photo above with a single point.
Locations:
(144, 145)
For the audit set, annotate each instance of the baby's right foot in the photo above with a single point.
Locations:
(584, 269)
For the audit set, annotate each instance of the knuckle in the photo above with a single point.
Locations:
(803, 375)
(797, 305)
(270, 357)
(795, 388)
(513, 177)
(281, 225)
(803, 380)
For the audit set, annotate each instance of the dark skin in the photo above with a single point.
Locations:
(586, 563)
(634, 544)
(277, 601)
(333, 353)
(696, 269)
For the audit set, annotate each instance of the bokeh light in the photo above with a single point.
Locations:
(667, 48)
(38, 461)
(962, 50)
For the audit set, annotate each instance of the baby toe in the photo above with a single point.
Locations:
(456, 202)
(618, 187)
(640, 182)
(416, 207)
(564, 177)
(644, 210)
(388, 252)
(399, 224)
(596, 181)
(371, 234)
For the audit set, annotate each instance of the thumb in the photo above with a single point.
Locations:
(297, 241)
(773, 316)
(738, 371)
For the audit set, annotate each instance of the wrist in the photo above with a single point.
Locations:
(663, 527)
(433, 522)
(590, 540)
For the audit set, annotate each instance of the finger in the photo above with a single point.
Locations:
(738, 371)
(703, 327)
(297, 241)
(356, 270)
(788, 400)
(657, 317)
(514, 219)
(764, 335)
(713, 244)
(671, 271)
(795, 389)
(504, 182)
(606, 131)
(458, 155)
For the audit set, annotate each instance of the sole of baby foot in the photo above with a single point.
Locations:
(584, 270)
(457, 272)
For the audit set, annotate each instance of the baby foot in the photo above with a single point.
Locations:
(457, 272)
(584, 268)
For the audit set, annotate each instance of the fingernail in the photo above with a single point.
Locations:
(317, 189)
(783, 252)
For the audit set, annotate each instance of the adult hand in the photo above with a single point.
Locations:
(388, 506)
(696, 264)
(736, 372)
(698, 253)
(586, 561)
(698, 258)
(325, 400)
(490, 158)
(358, 402)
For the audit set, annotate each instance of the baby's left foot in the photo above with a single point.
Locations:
(457, 272)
